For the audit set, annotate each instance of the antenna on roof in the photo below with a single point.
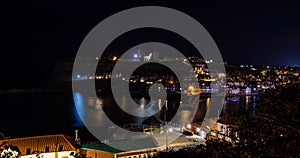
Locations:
(77, 138)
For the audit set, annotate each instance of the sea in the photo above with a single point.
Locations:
(30, 113)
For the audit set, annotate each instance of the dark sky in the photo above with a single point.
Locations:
(34, 34)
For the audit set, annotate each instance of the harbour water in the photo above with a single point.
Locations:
(38, 113)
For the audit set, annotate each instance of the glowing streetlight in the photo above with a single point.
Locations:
(198, 129)
(189, 126)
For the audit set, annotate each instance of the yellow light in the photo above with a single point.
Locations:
(114, 58)
(142, 79)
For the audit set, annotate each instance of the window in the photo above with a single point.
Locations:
(60, 148)
(28, 151)
(47, 149)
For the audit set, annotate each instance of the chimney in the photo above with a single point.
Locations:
(76, 135)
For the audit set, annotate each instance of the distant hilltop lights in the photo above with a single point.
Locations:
(153, 56)
(199, 65)
(245, 78)
(246, 66)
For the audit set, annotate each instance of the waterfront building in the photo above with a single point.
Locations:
(134, 148)
(48, 146)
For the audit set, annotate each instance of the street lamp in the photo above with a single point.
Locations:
(189, 126)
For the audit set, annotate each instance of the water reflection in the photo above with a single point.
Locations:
(247, 102)
(119, 117)
(254, 106)
(78, 109)
(207, 103)
(159, 103)
(184, 115)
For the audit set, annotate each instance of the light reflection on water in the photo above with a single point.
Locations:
(58, 113)
(120, 117)
(78, 109)
(111, 110)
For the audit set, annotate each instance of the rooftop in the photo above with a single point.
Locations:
(47, 143)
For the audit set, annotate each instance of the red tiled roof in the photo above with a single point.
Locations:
(40, 143)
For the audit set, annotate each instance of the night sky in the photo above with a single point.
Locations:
(35, 34)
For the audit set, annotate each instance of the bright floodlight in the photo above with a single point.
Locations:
(189, 126)
(135, 55)
(198, 129)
